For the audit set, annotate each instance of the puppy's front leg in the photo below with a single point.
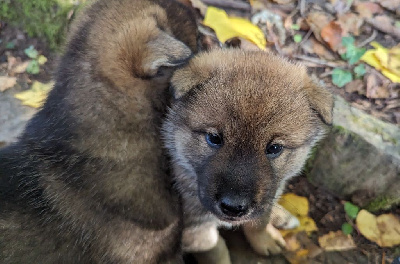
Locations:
(264, 239)
(206, 245)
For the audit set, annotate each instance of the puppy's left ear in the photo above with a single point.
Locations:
(321, 100)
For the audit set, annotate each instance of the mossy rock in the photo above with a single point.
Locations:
(360, 159)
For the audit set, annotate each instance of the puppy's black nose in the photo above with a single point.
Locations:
(235, 207)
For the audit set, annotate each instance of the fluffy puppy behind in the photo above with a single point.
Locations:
(243, 123)
(87, 181)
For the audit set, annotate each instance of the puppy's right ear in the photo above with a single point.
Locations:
(165, 51)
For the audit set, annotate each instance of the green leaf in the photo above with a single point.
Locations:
(33, 67)
(348, 41)
(360, 70)
(10, 45)
(297, 38)
(355, 54)
(351, 210)
(397, 24)
(42, 59)
(347, 229)
(31, 52)
(295, 26)
(341, 77)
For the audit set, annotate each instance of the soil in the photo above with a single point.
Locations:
(326, 209)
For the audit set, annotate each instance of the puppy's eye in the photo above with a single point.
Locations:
(214, 140)
(273, 150)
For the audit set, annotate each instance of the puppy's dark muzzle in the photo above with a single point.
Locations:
(234, 206)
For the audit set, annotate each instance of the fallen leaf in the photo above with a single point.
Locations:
(350, 23)
(351, 210)
(383, 230)
(41, 59)
(336, 241)
(341, 77)
(31, 52)
(384, 60)
(229, 27)
(347, 229)
(332, 34)
(385, 24)
(33, 67)
(298, 206)
(355, 86)
(7, 82)
(376, 88)
(368, 9)
(317, 21)
(303, 249)
(392, 5)
(35, 96)
(314, 47)
(20, 67)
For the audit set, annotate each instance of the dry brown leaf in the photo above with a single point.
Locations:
(304, 249)
(376, 87)
(332, 34)
(317, 21)
(355, 86)
(368, 9)
(7, 82)
(336, 241)
(385, 24)
(350, 23)
(392, 5)
(314, 47)
(20, 67)
(383, 230)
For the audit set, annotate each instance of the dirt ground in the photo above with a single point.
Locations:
(326, 209)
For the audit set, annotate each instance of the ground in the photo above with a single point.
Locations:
(373, 93)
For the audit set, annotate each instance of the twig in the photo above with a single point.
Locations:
(368, 40)
(306, 37)
(228, 4)
(302, 8)
(319, 61)
(325, 74)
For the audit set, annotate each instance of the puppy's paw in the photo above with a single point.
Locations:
(265, 241)
(282, 218)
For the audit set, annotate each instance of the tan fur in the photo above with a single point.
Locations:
(252, 99)
(89, 174)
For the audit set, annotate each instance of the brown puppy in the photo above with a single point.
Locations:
(87, 181)
(242, 124)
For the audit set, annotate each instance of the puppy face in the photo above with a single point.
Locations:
(242, 124)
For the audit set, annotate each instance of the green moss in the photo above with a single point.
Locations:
(46, 19)
(382, 203)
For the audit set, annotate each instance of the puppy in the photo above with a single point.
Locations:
(87, 181)
(241, 125)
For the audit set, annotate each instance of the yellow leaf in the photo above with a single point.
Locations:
(229, 27)
(385, 60)
(296, 205)
(35, 96)
(383, 230)
(336, 241)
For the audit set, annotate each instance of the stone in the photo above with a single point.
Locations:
(359, 160)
